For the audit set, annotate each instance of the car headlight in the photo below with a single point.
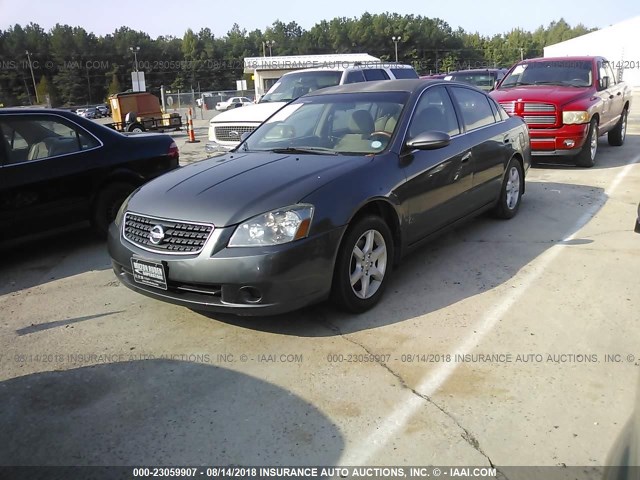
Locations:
(122, 209)
(274, 228)
(570, 117)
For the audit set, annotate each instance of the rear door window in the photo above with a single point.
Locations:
(474, 107)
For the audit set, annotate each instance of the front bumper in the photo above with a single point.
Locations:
(553, 141)
(241, 281)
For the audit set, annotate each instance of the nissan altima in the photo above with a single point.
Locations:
(323, 199)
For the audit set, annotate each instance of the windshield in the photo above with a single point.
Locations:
(355, 123)
(294, 85)
(561, 72)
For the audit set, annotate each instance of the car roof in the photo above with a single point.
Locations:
(478, 70)
(14, 110)
(405, 85)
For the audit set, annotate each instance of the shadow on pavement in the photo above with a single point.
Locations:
(159, 412)
(32, 261)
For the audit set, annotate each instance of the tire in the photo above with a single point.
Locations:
(135, 128)
(587, 156)
(106, 206)
(368, 235)
(510, 192)
(619, 133)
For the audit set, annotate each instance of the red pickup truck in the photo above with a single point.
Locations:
(567, 103)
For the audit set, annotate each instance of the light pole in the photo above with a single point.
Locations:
(35, 88)
(395, 41)
(135, 51)
(270, 43)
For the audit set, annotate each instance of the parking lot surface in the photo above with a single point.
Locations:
(501, 343)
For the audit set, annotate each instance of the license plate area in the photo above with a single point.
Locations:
(149, 273)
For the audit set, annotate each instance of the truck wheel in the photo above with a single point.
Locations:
(587, 156)
(135, 128)
(617, 135)
(363, 265)
(107, 204)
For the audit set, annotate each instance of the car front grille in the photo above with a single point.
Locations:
(509, 107)
(531, 107)
(539, 119)
(232, 133)
(177, 237)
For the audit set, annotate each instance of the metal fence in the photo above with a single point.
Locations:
(199, 102)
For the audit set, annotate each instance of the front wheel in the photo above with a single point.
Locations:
(587, 156)
(107, 204)
(617, 135)
(511, 191)
(364, 264)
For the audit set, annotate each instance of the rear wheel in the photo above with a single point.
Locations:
(107, 204)
(617, 135)
(363, 265)
(511, 191)
(587, 156)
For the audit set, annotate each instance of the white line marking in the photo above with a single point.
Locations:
(371, 445)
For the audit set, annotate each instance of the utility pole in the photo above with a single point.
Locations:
(35, 88)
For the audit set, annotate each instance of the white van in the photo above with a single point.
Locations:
(226, 128)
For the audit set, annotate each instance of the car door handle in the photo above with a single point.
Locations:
(619, 93)
(610, 97)
(507, 140)
(466, 158)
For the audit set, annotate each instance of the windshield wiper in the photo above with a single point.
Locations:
(311, 150)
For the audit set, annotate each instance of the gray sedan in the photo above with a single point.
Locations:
(323, 199)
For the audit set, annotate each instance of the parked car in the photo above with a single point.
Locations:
(233, 102)
(103, 110)
(637, 229)
(57, 168)
(226, 129)
(323, 199)
(484, 78)
(435, 76)
(89, 112)
(568, 102)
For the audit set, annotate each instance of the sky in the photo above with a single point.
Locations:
(159, 17)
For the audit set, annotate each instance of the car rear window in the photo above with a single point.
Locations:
(404, 73)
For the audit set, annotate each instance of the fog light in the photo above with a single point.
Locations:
(250, 294)
(569, 143)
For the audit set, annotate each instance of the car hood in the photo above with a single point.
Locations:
(229, 189)
(546, 94)
(249, 113)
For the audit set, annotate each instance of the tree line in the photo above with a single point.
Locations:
(71, 66)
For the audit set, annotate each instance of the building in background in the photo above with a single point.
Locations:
(617, 43)
(267, 70)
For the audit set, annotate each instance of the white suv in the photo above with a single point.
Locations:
(227, 128)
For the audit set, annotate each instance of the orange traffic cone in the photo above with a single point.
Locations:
(190, 131)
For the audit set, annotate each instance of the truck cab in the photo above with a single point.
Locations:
(567, 103)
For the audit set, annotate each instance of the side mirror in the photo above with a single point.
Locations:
(604, 83)
(429, 141)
